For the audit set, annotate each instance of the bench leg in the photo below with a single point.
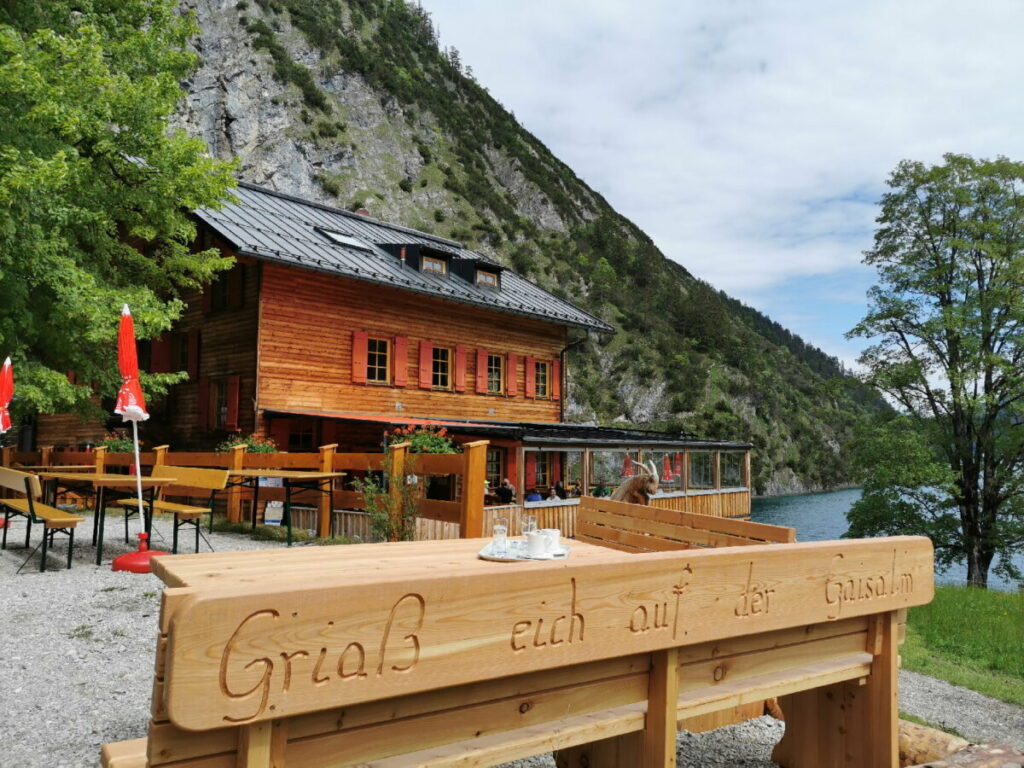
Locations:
(71, 545)
(616, 752)
(42, 560)
(847, 725)
(174, 545)
(28, 530)
(7, 525)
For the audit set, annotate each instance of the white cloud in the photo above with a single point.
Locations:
(750, 140)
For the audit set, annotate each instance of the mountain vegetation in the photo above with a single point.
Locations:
(355, 103)
(88, 170)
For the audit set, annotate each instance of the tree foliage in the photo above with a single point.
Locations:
(946, 320)
(94, 189)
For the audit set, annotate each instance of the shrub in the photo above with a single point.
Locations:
(252, 443)
(118, 442)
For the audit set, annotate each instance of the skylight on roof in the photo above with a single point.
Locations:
(347, 240)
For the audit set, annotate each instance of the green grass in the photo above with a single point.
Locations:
(970, 637)
(927, 723)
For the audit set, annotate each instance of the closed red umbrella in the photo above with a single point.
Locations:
(131, 406)
(666, 471)
(627, 467)
(6, 393)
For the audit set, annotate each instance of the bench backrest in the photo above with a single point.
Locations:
(16, 480)
(188, 479)
(640, 528)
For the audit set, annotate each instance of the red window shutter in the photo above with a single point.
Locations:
(530, 384)
(400, 376)
(556, 380)
(234, 392)
(236, 286)
(160, 355)
(206, 303)
(531, 471)
(359, 339)
(426, 365)
(203, 406)
(556, 468)
(460, 369)
(193, 355)
(481, 371)
(512, 385)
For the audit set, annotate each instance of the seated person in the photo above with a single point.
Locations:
(534, 495)
(559, 490)
(553, 494)
(505, 492)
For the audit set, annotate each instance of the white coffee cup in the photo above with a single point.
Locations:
(536, 544)
(553, 536)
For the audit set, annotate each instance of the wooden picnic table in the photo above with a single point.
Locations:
(101, 483)
(37, 468)
(290, 480)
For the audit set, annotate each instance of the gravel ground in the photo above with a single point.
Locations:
(78, 652)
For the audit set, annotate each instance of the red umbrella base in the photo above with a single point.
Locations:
(136, 562)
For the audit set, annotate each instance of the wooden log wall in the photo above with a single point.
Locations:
(305, 349)
(717, 504)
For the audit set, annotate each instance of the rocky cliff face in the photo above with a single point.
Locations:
(350, 103)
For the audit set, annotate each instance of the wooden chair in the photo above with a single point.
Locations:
(189, 482)
(34, 511)
(640, 528)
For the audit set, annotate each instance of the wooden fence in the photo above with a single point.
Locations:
(465, 513)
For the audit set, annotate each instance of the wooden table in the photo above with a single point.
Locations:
(55, 467)
(101, 482)
(291, 479)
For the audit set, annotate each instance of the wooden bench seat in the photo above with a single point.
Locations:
(30, 507)
(189, 482)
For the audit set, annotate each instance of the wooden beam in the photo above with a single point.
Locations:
(471, 524)
(662, 707)
(237, 459)
(325, 503)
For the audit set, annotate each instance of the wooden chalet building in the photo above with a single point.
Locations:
(334, 327)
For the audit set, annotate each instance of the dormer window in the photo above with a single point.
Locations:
(433, 264)
(349, 241)
(487, 279)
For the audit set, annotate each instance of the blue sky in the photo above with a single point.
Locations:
(752, 140)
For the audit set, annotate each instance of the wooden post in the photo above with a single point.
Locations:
(235, 492)
(748, 481)
(585, 473)
(7, 456)
(716, 470)
(662, 709)
(262, 745)
(100, 452)
(160, 455)
(471, 518)
(46, 455)
(397, 454)
(326, 502)
(685, 482)
(520, 475)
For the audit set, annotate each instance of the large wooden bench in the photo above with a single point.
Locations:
(189, 482)
(30, 507)
(421, 654)
(640, 528)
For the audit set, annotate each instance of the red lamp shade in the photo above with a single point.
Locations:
(627, 467)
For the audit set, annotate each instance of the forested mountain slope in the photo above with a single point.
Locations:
(351, 102)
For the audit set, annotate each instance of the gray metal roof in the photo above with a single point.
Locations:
(273, 226)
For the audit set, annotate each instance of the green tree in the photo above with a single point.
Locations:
(946, 321)
(95, 190)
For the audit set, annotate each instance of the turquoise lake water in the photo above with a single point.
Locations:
(821, 516)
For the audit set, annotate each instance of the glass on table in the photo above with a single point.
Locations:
(529, 523)
(499, 545)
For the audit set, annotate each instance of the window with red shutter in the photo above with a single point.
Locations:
(531, 472)
(530, 381)
(426, 365)
(401, 373)
(481, 371)
(512, 378)
(234, 396)
(203, 406)
(460, 369)
(160, 355)
(359, 341)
